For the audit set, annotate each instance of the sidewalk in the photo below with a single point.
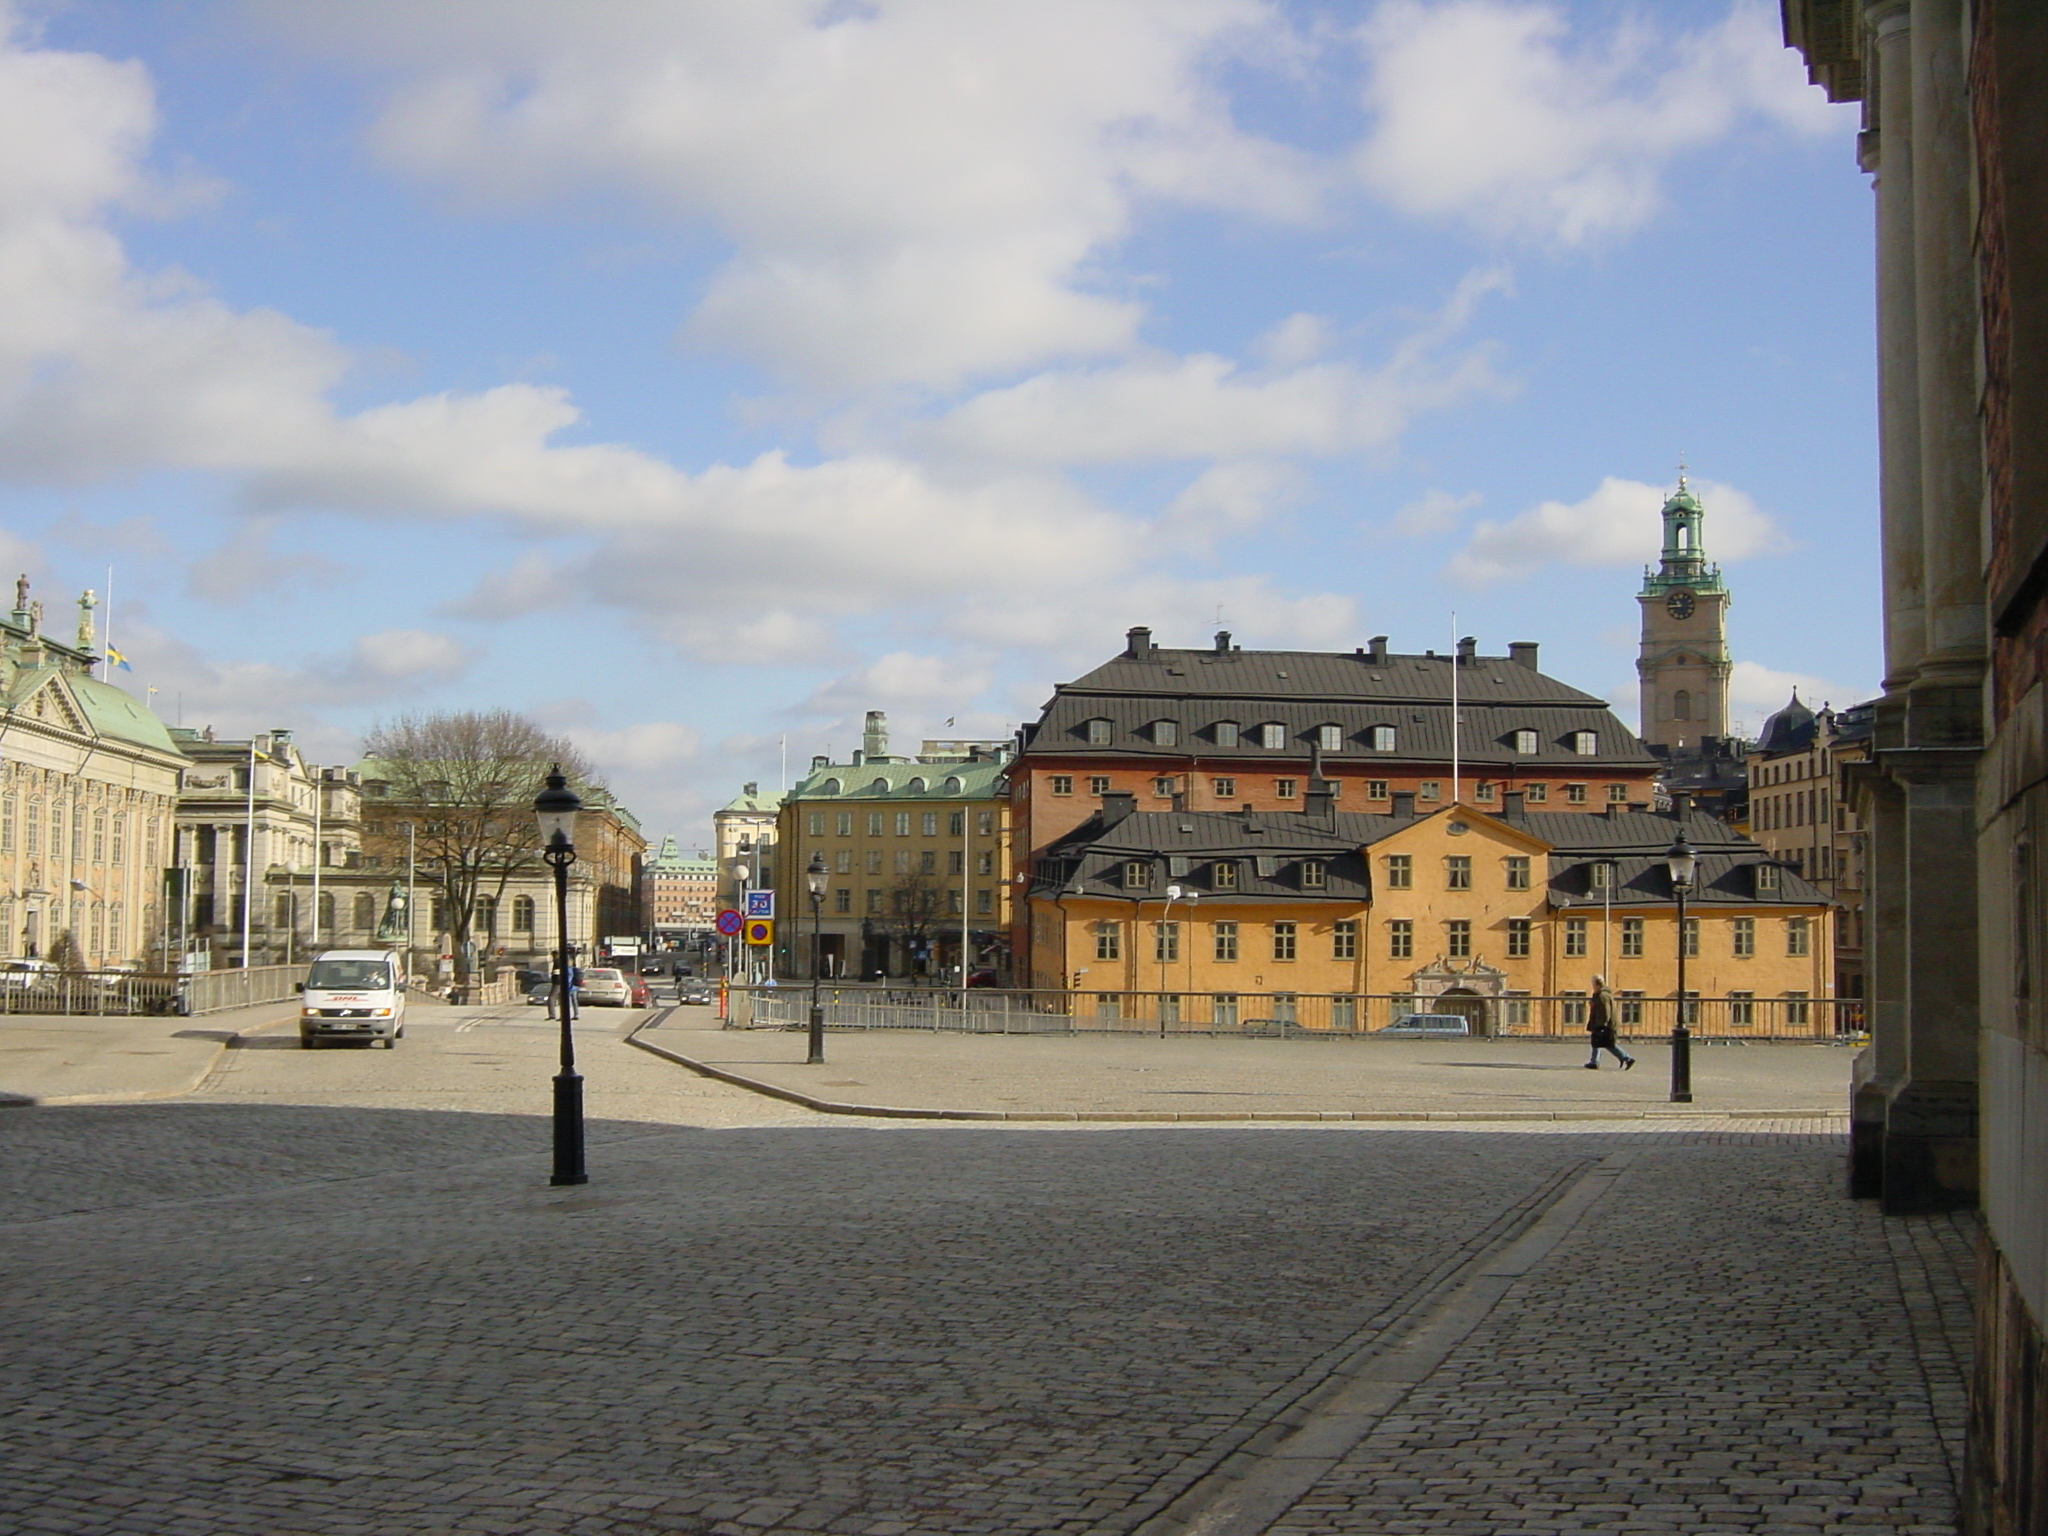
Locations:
(84, 1059)
(1142, 1078)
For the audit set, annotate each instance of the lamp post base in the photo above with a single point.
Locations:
(569, 1130)
(817, 1037)
(1681, 1065)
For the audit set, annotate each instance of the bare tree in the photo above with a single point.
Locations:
(916, 904)
(467, 780)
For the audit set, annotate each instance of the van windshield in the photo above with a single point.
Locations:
(349, 976)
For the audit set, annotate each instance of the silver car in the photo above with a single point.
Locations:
(602, 985)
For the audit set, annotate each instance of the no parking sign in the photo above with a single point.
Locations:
(760, 930)
(729, 923)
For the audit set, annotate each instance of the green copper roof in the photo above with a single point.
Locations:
(901, 781)
(1684, 559)
(758, 803)
(107, 711)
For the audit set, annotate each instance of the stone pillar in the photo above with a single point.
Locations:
(1881, 1067)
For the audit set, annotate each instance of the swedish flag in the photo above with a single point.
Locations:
(115, 658)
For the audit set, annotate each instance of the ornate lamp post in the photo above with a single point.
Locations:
(814, 878)
(555, 808)
(1680, 861)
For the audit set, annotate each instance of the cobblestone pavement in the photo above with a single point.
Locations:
(249, 1314)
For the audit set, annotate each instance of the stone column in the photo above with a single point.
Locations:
(1882, 1066)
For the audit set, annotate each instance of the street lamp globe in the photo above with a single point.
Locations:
(555, 809)
(1681, 861)
(815, 876)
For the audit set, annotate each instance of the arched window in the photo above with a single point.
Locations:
(1681, 705)
(915, 786)
(951, 786)
(522, 914)
(829, 787)
(365, 913)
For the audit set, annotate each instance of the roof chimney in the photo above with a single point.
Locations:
(1222, 639)
(1681, 803)
(1511, 805)
(1116, 805)
(1320, 804)
(1468, 649)
(1377, 652)
(820, 761)
(1137, 642)
(1404, 802)
(1523, 653)
(874, 739)
(751, 788)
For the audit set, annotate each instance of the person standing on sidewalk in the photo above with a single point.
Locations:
(1600, 1025)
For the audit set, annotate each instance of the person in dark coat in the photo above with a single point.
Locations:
(1600, 1025)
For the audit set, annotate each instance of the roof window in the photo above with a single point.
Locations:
(1098, 733)
(1525, 743)
(1585, 743)
(1225, 732)
(1272, 737)
(1380, 738)
(1165, 733)
(1330, 737)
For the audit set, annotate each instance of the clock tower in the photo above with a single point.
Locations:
(1683, 665)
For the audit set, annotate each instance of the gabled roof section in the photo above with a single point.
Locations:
(76, 702)
(896, 780)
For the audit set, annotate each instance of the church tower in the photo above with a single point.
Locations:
(1683, 665)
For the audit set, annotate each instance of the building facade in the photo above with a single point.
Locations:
(1347, 921)
(918, 855)
(743, 839)
(1226, 729)
(88, 802)
(681, 894)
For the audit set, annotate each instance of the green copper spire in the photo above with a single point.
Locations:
(1684, 561)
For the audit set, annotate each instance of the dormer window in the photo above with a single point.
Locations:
(1314, 875)
(1165, 733)
(1223, 875)
(1226, 733)
(1272, 737)
(951, 787)
(1767, 879)
(829, 787)
(1380, 738)
(1098, 733)
(1525, 743)
(915, 787)
(1330, 737)
(880, 787)
(1137, 875)
(1585, 743)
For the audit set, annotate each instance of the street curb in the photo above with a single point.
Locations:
(147, 1095)
(1186, 1117)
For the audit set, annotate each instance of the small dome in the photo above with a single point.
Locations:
(1791, 729)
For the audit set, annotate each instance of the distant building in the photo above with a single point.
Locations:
(743, 837)
(681, 894)
(1682, 664)
(88, 796)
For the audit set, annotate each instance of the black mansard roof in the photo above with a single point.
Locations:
(1301, 691)
(1269, 849)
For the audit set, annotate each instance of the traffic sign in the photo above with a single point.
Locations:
(729, 923)
(760, 903)
(760, 930)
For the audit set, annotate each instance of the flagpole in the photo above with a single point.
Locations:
(1457, 784)
(107, 630)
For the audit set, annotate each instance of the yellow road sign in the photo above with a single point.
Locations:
(760, 930)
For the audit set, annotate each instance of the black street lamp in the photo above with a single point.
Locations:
(814, 877)
(555, 808)
(1680, 861)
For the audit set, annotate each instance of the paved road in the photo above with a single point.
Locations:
(333, 1294)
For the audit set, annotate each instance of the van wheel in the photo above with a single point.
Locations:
(307, 1042)
(391, 1042)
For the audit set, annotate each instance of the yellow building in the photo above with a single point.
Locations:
(1350, 921)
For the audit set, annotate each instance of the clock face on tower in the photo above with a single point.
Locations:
(1679, 604)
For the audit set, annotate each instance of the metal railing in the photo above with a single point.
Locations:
(1277, 1014)
(216, 991)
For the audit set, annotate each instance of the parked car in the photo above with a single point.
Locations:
(643, 995)
(1430, 1024)
(607, 985)
(693, 993)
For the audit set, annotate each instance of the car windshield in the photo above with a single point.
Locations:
(349, 976)
(604, 975)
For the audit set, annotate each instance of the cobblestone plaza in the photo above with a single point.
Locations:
(331, 1292)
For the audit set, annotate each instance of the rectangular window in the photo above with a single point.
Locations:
(1098, 784)
(1225, 935)
(1631, 938)
(1631, 1009)
(1381, 737)
(1226, 733)
(6, 823)
(984, 902)
(1223, 875)
(1401, 939)
(928, 862)
(1517, 869)
(1272, 737)
(1283, 941)
(1429, 789)
(99, 839)
(1343, 1013)
(842, 899)
(1109, 944)
(1165, 733)
(1797, 1011)
(1314, 875)
(1330, 738)
(953, 902)
(1575, 937)
(1098, 733)
(1485, 793)
(845, 861)
(903, 823)
(1585, 743)
(1600, 876)
(1163, 788)
(1575, 793)
(984, 823)
(1166, 942)
(1691, 938)
(1617, 794)
(1375, 789)
(814, 824)
(902, 861)
(874, 861)
(1108, 1006)
(956, 862)
(956, 823)
(874, 901)
(874, 823)
(1226, 789)
(1223, 1008)
(1458, 872)
(1063, 784)
(1574, 1010)
(1284, 789)
(1514, 1010)
(1169, 1008)
(1518, 938)
(1741, 1008)
(1137, 874)
(1797, 938)
(985, 862)
(1400, 872)
(1344, 940)
(1286, 1008)
(1535, 794)
(1743, 932)
(1458, 939)
(928, 824)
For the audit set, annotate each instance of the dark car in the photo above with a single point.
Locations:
(693, 993)
(984, 976)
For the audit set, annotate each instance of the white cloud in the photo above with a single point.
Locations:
(1489, 113)
(913, 189)
(1434, 511)
(1756, 692)
(1231, 498)
(1618, 524)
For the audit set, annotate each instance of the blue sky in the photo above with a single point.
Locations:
(695, 377)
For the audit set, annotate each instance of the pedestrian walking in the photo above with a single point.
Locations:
(1600, 1025)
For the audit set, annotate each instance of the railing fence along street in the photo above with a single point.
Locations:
(1274, 1014)
(142, 992)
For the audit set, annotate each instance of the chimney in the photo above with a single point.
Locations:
(820, 761)
(859, 757)
(1404, 802)
(1180, 800)
(1523, 653)
(1681, 803)
(750, 789)
(1511, 805)
(1222, 640)
(1320, 805)
(1377, 651)
(1468, 650)
(874, 739)
(1116, 805)
(1138, 642)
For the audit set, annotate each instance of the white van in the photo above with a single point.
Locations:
(353, 994)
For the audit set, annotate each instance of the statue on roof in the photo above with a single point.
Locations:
(87, 601)
(21, 592)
